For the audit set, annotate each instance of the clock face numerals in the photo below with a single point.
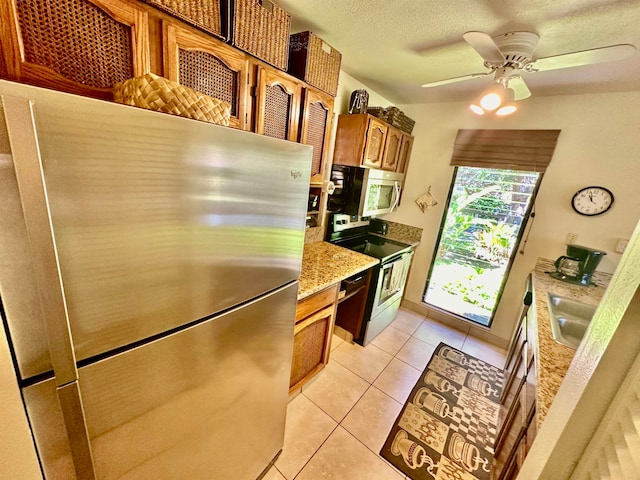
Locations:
(592, 201)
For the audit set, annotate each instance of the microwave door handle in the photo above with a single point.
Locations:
(396, 200)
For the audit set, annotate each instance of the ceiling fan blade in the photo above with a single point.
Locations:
(585, 57)
(455, 79)
(520, 89)
(485, 46)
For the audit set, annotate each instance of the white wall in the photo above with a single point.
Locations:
(599, 144)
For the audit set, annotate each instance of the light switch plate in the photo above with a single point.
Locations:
(622, 245)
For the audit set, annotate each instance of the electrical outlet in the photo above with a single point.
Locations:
(621, 245)
(571, 238)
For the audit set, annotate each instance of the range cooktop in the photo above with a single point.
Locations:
(373, 245)
(354, 235)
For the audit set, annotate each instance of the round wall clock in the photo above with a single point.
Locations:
(592, 201)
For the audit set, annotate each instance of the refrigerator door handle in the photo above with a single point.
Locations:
(23, 138)
(33, 196)
(77, 434)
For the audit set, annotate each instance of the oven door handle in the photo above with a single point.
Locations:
(396, 197)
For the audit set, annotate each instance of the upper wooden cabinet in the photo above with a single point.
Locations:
(277, 104)
(207, 65)
(315, 128)
(365, 140)
(77, 46)
(392, 145)
(405, 153)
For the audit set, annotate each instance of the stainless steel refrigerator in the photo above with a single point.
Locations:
(148, 276)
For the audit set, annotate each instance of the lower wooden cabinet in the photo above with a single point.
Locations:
(315, 317)
(517, 424)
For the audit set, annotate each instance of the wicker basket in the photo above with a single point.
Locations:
(406, 124)
(208, 15)
(162, 95)
(379, 112)
(314, 61)
(393, 116)
(261, 28)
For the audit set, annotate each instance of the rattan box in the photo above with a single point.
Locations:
(398, 119)
(261, 28)
(157, 93)
(316, 62)
(209, 15)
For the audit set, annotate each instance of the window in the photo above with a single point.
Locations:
(496, 176)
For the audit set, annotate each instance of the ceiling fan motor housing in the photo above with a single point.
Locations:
(517, 48)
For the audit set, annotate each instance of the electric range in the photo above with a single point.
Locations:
(388, 277)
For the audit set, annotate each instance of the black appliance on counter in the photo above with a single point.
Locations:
(578, 265)
(377, 225)
(388, 278)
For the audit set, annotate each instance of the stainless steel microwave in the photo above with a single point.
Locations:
(364, 191)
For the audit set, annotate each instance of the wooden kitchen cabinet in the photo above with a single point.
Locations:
(278, 98)
(360, 140)
(77, 46)
(365, 140)
(315, 129)
(391, 154)
(315, 316)
(209, 66)
(517, 421)
(404, 155)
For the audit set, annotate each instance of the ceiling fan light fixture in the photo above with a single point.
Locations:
(492, 97)
(507, 109)
(509, 105)
(477, 109)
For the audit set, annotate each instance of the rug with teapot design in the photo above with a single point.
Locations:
(447, 427)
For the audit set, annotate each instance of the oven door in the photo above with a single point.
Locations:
(379, 197)
(391, 282)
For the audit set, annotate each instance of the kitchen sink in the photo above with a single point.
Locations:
(569, 319)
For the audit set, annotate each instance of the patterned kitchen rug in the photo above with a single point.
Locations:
(447, 427)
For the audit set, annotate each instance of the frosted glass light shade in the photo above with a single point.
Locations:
(477, 109)
(492, 97)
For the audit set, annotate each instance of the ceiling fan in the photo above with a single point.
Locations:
(508, 55)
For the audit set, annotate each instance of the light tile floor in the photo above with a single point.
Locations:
(338, 424)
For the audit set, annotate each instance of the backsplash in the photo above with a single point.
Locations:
(314, 234)
(406, 232)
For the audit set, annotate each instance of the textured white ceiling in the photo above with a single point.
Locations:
(394, 46)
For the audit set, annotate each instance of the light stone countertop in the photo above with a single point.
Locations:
(552, 358)
(324, 264)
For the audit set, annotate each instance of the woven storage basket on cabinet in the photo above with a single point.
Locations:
(313, 60)
(398, 119)
(209, 15)
(157, 93)
(261, 28)
(394, 117)
(379, 112)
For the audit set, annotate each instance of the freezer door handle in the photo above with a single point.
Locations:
(23, 138)
(76, 426)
